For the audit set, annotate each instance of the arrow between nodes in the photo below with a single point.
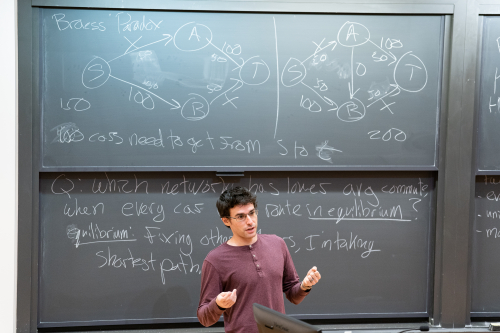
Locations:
(351, 84)
(386, 52)
(319, 49)
(168, 38)
(174, 106)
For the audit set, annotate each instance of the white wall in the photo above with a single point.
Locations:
(8, 164)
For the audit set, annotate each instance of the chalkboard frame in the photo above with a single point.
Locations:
(266, 8)
(449, 308)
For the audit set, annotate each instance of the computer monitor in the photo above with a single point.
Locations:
(270, 321)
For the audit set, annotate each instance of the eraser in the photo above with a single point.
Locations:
(494, 326)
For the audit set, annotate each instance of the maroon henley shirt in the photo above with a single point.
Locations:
(260, 273)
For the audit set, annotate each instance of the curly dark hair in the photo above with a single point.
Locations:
(235, 196)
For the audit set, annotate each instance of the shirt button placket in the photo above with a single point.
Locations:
(254, 259)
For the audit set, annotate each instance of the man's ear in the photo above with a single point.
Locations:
(226, 221)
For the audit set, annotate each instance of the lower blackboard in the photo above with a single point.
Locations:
(122, 248)
(486, 245)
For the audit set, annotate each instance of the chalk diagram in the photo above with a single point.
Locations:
(409, 74)
(190, 37)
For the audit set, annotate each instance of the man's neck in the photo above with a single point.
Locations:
(241, 241)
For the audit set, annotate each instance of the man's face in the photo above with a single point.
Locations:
(245, 231)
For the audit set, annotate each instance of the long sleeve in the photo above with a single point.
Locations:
(291, 280)
(208, 311)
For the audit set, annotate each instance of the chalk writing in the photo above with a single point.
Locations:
(135, 222)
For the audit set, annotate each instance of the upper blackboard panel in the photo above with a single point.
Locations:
(254, 91)
(488, 145)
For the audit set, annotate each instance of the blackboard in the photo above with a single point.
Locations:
(486, 246)
(488, 145)
(123, 248)
(207, 91)
(485, 290)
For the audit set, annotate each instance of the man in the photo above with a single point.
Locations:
(247, 269)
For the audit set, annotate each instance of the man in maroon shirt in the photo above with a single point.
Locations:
(247, 269)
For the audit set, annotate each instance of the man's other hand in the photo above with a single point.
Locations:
(226, 299)
(311, 279)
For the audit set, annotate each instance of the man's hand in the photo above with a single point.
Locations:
(311, 279)
(226, 299)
